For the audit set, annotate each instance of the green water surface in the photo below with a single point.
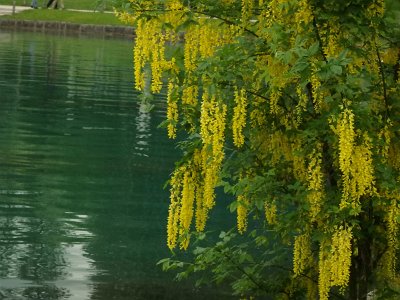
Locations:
(82, 166)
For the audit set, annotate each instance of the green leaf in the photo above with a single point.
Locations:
(337, 70)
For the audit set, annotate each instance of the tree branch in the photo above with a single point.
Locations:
(383, 79)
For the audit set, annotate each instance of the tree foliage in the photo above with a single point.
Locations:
(292, 106)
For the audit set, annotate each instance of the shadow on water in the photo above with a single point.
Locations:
(82, 165)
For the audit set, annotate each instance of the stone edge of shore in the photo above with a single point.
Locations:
(69, 28)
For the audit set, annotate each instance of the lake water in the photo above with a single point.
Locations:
(82, 166)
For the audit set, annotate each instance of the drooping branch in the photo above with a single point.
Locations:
(204, 13)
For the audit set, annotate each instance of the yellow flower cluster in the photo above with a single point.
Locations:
(385, 135)
(302, 254)
(362, 171)
(341, 257)
(376, 8)
(345, 131)
(331, 46)
(125, 17)
(390, 56)
(211, 175)
(303, 15)
(302, 104)
(212, 131)
(210, 37)
(138, 56)
(242, 211)
(355, 162)
(172, 110)
(247, 11)
(149, 48)
(276, 11)
(324, 276)
(315, 183)
(212, 126)
(173, 9)
(187, 195)
(316, 86)
(270, 212)
(239, 117)
(274, 100)
(390, 258)
(191, 48)
(174, 208)
(190, 93)
(130, 18)
(265, 21)
(199, 164)
(186, 215)
(200, 41)
(334, 264)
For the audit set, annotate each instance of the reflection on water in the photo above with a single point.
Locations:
(82, 212)
(143, 130)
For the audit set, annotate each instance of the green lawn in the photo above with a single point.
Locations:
(66, 16)
(69, 4)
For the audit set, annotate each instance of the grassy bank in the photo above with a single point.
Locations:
(69, 4)
(66, 16)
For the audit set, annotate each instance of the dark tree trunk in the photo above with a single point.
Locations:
(360, 274)
(362, 264)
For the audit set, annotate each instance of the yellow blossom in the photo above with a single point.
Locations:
(270, 212)
(186, 213)
(242, 211)
(172, 110)
(340, 257)
(302, 104)
(376, 8)
(174, 208)
(302, 254)
(274, 100)
(346, 133)
(239, 117)
(303, 14)
(315, 183)
(334, 264)
(389, 260)
(332, 32)
(247, 7)
(316, 86)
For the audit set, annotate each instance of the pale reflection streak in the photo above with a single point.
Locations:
(142, 121)
(81, 269)
(71, 267)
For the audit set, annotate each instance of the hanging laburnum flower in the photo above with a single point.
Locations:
(305, 94)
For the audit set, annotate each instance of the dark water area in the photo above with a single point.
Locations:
(82, 166)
